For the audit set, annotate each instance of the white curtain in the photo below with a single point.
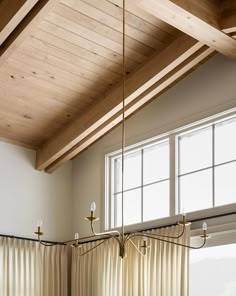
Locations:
(30, 269)
(163, 271)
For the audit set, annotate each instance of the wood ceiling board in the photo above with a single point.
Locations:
(13, 81)
(86, 44)
(11, 14)
(19, 130)
(58, 118)
(25, 28)
(227, 7)
(49, 49)
(78, 51)
(149, 18)
(94, 37)
(93, 9)
(135, 105)
(136, 83)
(25, 108)
(51, 79)
(101, 29)
(47, 71)
(191, 23)
(131, 20)
(228, 23)
(70, 67)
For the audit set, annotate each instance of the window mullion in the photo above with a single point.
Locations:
(141, 185)
(213, 165)
(172, 166)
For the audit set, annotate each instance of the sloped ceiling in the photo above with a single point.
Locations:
(61, 64)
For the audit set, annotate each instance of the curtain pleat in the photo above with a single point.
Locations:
(163, 271)
(30, 269)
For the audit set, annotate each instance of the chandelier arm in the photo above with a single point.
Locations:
(170, 242)
(160, 235)
(99, 244)
(47, 244)
(137, 249)
(110, 234)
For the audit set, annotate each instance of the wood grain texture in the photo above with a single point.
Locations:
(154, 70)
(11, 14)
(196, 21)
(27, 25)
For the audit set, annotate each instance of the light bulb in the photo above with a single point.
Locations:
(93, 207)
(184, 212)
(40, 222)
(144, 238)
(76, 235)
(204, 226)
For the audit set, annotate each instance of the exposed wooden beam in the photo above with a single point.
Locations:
(26, 26)
(11, 14)
(151, 93)
(194, 18)
(110, 105)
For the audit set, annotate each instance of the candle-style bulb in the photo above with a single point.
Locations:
(40, 222)
(184, 212)
(144, 238)
(93, 207)
(204, 226)
(76, 235)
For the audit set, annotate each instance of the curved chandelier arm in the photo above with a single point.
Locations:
(170, 242)
(48, 244)
(158, 235)
(110, 234)
(135, 246)
(88, 251)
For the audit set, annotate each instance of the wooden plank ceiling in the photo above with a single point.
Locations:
(61, 64)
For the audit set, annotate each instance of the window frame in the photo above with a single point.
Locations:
(174, 197)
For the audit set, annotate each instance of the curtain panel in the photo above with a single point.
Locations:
(30, 269)
(163, 271)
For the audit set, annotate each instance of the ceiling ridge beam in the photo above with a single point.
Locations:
(196, 21)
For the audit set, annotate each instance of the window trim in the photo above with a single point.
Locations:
(172, 136)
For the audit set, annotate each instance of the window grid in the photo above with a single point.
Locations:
(141, 187)
(174, 169)
(212, 167)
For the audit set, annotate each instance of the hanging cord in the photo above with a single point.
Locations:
(123, 123)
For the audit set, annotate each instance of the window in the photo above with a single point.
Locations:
(146, 182)
(212, 271)
(207, 166)
(191, 169)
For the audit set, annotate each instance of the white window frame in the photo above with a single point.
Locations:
(173, 177)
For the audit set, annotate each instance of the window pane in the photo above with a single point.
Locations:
(156, 201)
(225, 184)
(195, 150)
(212, 271)
(156, 163)
(225, 141)
(132, 175)
(196, 191)
(132, 207)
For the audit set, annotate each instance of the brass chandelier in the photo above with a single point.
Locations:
(120, 236)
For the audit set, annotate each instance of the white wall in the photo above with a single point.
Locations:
(208, 90)
(27, 194)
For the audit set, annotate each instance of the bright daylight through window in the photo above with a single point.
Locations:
(212, 271)
(205, 158)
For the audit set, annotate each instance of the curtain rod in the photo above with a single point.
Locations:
(100, 238)
(30, 239)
